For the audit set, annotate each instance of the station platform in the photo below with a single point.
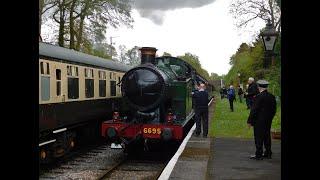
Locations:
(225, 158)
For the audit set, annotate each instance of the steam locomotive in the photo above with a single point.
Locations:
(159, 94)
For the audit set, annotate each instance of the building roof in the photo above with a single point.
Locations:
(58, 52)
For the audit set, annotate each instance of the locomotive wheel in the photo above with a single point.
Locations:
(45, 156)
(72, 144)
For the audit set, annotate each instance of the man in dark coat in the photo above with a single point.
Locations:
(240, 93)
(221, 93)
(225, 92)
(245, 96)
(252, 91)
(261, 115)
(201, 110)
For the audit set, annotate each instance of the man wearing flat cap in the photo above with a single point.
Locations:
(261, 115)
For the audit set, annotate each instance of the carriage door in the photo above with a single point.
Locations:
(58, 90)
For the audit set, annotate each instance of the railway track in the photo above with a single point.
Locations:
(102, 162)
(137, 168)
(87, 164)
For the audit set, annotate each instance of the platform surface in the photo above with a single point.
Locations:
(225, 159)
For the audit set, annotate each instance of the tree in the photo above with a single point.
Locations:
(214, 76)
(166, 54)
(193, 60)
(62, 12)
(101, 50)
(246, 11)
(123, 56)
(249, 62)
(84, 22)
(134, 56)
(44, 6)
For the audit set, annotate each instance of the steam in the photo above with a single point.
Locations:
(155, 9)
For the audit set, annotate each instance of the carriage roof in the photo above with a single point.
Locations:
(57, 52)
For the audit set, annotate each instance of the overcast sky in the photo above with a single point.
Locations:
(202, 27)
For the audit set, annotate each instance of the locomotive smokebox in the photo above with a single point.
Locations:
(148, 55)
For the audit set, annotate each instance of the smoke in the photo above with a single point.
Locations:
(155, 9)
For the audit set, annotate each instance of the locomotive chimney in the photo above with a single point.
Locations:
(148, 55)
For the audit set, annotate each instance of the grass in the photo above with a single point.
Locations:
(234, 124)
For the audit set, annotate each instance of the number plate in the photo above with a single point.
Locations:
(152, 130)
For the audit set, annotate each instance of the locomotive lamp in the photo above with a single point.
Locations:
(269, 37)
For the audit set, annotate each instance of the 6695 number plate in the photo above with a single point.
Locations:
(152, 130)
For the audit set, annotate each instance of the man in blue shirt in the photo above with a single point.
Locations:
(201, 110)
(231, 96)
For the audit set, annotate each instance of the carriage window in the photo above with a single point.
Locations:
(58, 78)
(58, 74)
(45, 88)
(58, 88)
(113, 88)
(102, 88)
(110, 75)
(88, 73)
(48, 69)
(102, 75)
(89, 88)
(44, 68)
(102, 84)
(72, 71)
(89, 83)
(69, 70)
(41, 68)
(73, 88)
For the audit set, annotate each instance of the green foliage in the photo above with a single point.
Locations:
(248, 61)
(166, 54)
(193, 60)
(214, 76)
(83, 23)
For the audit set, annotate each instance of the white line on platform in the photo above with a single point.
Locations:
(168, 169)
(210, 102)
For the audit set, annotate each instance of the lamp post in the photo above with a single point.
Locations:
(269, 37)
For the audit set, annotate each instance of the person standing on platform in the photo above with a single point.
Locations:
(252, 91)
(261, 115)
(245, 96)
(221, 93)
(201, 110)
(225, 92)
(240, 93)
(231, 96)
